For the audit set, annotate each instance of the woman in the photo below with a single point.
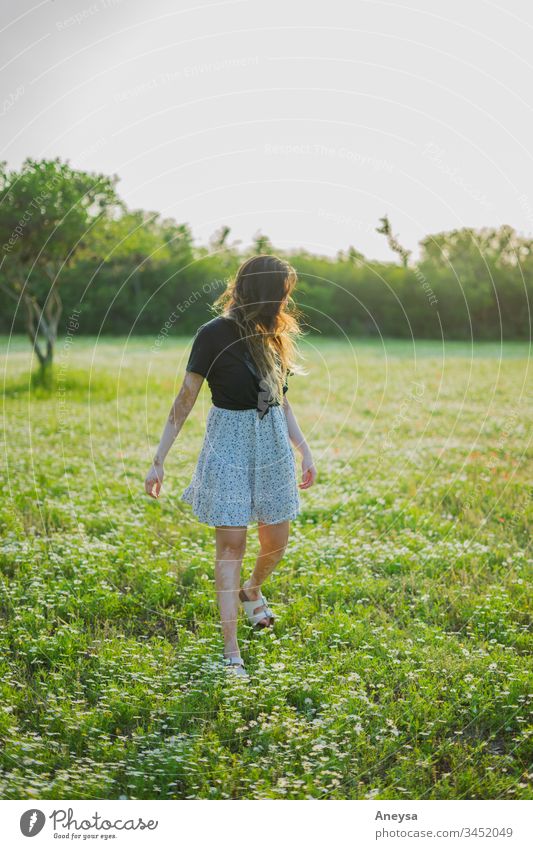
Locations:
(245, 472)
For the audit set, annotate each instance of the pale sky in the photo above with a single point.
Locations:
(305, 120)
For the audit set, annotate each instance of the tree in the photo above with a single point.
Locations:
(385, 230)
(47, 211)
(218, 241)
(491, 267)
(352, 256)
(500, 246)
(262, 244)
(131, 248)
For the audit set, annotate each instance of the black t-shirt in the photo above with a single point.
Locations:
(218, 354)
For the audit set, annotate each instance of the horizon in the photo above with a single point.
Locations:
(306, 131)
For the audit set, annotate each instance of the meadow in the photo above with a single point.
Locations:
(400, 664)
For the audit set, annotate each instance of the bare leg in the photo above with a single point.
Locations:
(230, 548)
(273, 540)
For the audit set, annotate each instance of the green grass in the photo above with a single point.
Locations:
(400, 667)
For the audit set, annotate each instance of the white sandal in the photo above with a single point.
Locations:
(235, 665)
(255, 618)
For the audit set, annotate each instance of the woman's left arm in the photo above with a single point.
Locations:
(298, 440)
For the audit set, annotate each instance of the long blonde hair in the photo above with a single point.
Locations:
(259, 300)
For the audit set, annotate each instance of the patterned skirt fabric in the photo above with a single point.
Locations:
(245, 472)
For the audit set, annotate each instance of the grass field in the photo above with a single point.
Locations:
(400, 667)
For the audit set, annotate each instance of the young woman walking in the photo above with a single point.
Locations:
(245, 472)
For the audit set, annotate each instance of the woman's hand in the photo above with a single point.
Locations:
(154, 480)
(308, 471)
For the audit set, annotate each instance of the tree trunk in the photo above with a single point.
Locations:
(42, 324)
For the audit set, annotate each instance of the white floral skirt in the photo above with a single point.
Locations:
(246, 471)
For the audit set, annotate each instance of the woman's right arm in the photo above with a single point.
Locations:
(182, 406)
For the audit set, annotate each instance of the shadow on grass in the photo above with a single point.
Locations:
(75, 385)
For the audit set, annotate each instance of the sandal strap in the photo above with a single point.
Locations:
(250, 605)
(234, 661)
(267, 611)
